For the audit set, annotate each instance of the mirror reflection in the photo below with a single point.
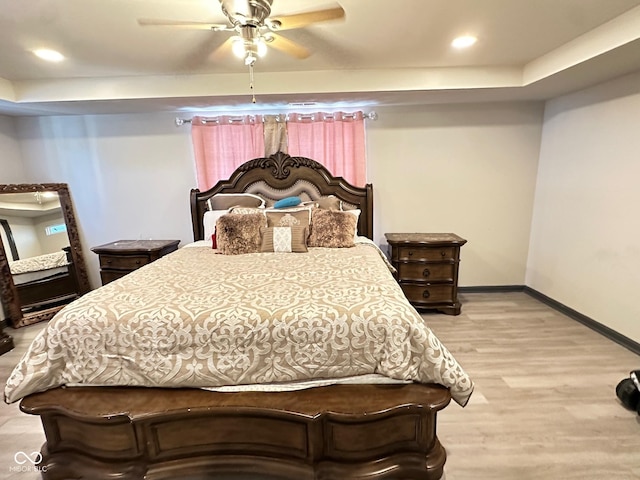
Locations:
(41, 251)
(34, 230)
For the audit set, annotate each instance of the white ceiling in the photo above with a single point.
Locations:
(383, 52)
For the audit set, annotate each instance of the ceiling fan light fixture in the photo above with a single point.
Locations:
(261, 47)
(238, 48)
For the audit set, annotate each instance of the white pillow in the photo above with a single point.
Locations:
(209, 221)
(356, 212)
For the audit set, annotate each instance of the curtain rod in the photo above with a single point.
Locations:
(181, 121)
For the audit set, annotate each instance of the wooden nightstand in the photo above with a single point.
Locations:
(123, 256)
(427, 268)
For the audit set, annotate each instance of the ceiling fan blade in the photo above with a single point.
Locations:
(289, 22)
(155, 22)
(222, 51)
(288, 46)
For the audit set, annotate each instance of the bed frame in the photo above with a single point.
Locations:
(338, 432)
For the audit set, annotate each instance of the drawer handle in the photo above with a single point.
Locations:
(137, 262)
(426, 272)
(410, 253)
(109, 261)
(443, 253)
(426, 294)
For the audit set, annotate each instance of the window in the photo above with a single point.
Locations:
(53, 229)
(335, 140)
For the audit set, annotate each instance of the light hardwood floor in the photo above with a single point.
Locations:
(18, 432)
(544, 405)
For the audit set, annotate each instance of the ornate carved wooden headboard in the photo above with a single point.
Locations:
(281, 175)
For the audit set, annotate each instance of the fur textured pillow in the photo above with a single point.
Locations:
(238, 234)
(333, 229)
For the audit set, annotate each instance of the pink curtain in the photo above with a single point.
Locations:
(335, 140)
(222, 144)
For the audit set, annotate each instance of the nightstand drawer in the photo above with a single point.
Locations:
(426, 272)
(425, 253)
(110, 275)
(121, 262)
(428, 293)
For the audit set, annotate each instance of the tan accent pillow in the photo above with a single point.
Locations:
(245, 210)
(333, 229)
(284, 239)
(328, 202)
(300, 217)
(224, 201)
(238, 234)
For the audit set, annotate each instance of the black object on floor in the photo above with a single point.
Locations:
(628, 394)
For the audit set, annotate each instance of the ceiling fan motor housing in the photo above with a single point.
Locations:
(246, 12)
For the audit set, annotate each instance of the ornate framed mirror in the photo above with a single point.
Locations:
(42, 267)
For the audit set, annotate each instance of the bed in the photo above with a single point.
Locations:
(328, 385)
(43, 282)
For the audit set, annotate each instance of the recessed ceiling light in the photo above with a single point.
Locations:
(464, 41)
(49, 55)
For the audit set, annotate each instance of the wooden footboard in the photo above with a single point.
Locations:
(327, 433)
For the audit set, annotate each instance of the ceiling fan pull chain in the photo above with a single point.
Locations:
(253, 95)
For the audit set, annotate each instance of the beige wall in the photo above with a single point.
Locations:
(585, 239)
(469, 169)
(129, 175)
(11, 170)
(472, 169)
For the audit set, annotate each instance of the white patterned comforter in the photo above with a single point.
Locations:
(195, 318)
(41, 262)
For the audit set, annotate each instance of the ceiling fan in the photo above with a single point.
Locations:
(254, 29)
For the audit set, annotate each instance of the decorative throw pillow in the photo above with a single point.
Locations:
(333, 229)
(224, 201)
(300, 217)
(245, 210)
(329, 202)
(287, 202)
(284, 239)
(238, 234)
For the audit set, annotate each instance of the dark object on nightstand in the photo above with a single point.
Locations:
(124, 256)
(427, 268)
